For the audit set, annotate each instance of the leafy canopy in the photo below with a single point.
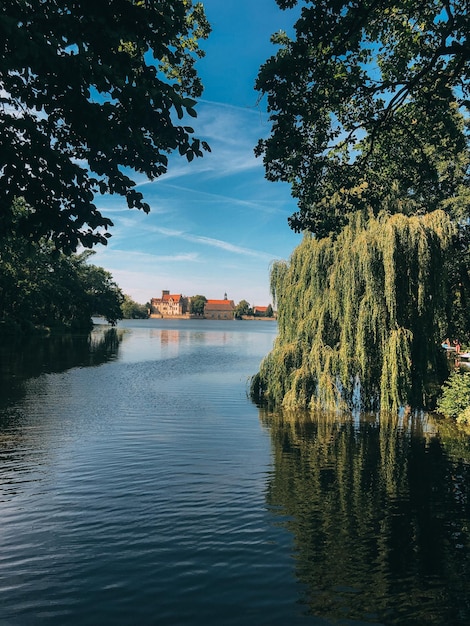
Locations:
(40, 287)
(366, 105)
(133, 310)
(243, 308)
(89, 96)
(197, 305)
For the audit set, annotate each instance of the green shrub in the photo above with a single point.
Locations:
(455, 399)
(464, 417)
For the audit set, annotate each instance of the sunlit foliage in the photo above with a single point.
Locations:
(197, 304)
(361, 317)
(367, 102)
(455, 399)
(133, 310)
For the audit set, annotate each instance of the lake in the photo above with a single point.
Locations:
(140, 485)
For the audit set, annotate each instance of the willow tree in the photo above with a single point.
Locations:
(368, 106)
(361, 317)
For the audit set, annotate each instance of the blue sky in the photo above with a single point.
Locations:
(215, 224)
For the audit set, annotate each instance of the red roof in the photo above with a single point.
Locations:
(174, 297)
(224, 305)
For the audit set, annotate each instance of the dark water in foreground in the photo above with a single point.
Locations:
(139, 485)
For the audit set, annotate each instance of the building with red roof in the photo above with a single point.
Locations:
(169, 305)
(219, 309)
(260, 310)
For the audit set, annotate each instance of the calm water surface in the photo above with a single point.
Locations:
(139, 485)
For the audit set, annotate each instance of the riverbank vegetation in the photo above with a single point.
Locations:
(43, 289)
(132, 310)
(455, 399)
(369, 120)
(197, 304)
(361, 316)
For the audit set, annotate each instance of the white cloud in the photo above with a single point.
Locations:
(120, 256)
(264, 205)
(210, 241)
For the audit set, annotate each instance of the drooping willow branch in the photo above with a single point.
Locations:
(360, 317)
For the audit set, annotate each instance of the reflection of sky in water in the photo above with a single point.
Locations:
(146, 468)
(154, 342)
(148, 486)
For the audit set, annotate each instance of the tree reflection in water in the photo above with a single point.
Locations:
(22, 358)
(380, 514)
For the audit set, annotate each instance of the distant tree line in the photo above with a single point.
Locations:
(197, 305)
(133, 310)
(243, 308)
